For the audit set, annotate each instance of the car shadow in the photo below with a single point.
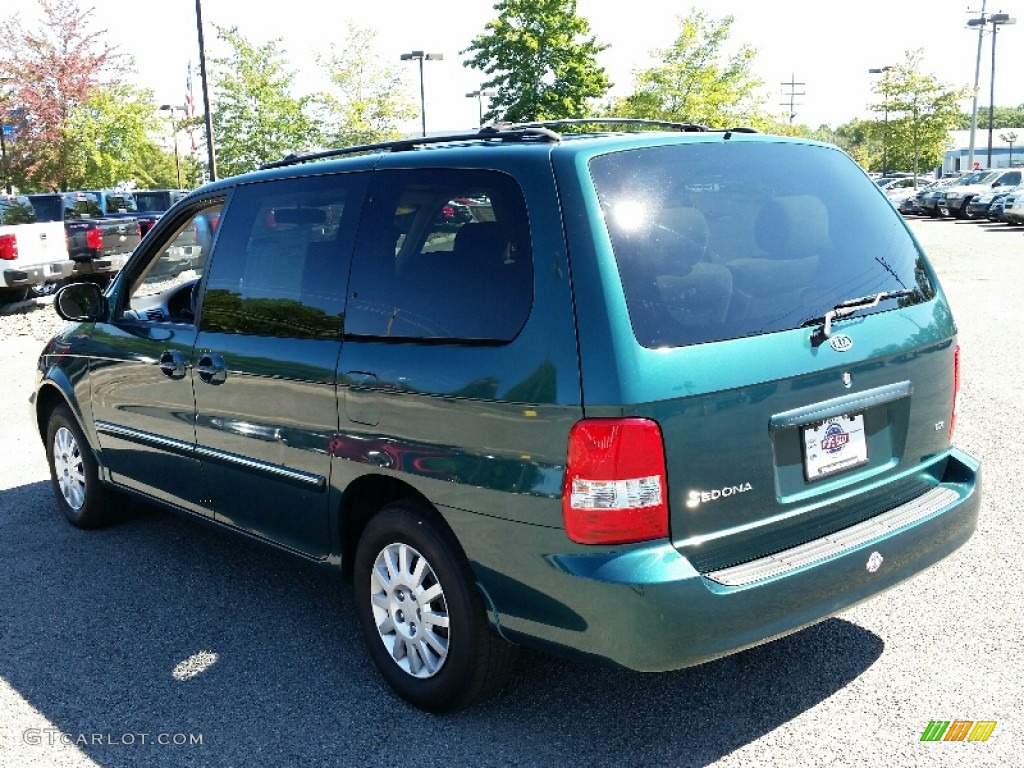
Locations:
(164, 625)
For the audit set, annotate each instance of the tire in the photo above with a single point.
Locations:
(81, 496)
(422, 615)
(13, 295)
(44, 289)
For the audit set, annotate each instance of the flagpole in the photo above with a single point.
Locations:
(206, 93)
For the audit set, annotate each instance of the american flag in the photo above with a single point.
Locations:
(190, 108)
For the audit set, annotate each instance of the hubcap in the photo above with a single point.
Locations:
(70, 471)
(410, 610)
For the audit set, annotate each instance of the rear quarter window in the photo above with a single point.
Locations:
(442, 255)
(724, 240)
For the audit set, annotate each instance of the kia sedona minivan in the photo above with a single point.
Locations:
(657, 394)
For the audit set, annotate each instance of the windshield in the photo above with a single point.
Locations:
(716, 240)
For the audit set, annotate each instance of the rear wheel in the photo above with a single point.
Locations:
(73, 473)
(422, 615)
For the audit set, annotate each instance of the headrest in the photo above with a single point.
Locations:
(792, 227)
(481, 241)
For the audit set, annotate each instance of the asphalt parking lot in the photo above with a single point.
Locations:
(162, 642)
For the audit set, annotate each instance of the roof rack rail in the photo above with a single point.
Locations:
(684, 127)
(486, 134)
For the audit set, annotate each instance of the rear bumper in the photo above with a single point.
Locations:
(37, 274)
(101, 265)
(649, 610)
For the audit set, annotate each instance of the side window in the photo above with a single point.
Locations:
(442, 255)
(163, 289)
(282, 258)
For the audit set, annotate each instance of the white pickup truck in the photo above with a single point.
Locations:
(33, 255)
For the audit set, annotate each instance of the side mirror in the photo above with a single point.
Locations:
(80, 302)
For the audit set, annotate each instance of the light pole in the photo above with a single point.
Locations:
(980, 24)
(174, 132)
(420, 56)
(885, 104)
(210, 154)
(1009, 137)
(996, 19)
(479, 96)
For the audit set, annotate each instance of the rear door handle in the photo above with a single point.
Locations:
(212, 369)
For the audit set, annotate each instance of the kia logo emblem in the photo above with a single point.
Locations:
(840, 342)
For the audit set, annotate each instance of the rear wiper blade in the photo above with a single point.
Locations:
(845, 308)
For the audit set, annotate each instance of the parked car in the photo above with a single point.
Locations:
(672, 393)
(956, 200)
(1013, 207)
(99, 245)
(995, 209)
(928, 200)
(912, 202)
(151, 204)
(33, 257)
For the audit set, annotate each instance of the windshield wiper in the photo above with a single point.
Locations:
(848, 307)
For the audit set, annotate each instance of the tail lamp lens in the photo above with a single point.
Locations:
(616, 488)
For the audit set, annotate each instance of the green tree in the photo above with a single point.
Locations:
(918, 113)
(1002, 117)
(54, 69)
(255, 117)
(113, 142)
(367, 98)
(540, 59)
(696, 82)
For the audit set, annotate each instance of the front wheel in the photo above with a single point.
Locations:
(422, 615)
(73, 474)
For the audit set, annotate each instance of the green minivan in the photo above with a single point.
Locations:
(655, 394)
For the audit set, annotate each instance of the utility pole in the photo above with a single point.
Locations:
(793, 93)
(980, 24)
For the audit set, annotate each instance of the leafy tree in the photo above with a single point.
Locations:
(255, 117)
(1002, 117)
(367, 99)
(541, 61)
(918, 113)
(55, 69)
(112, 134)
(696, 83)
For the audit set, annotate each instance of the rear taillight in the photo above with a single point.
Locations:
(616, 489)
(956, 392)
(8, 247)
(94, 239)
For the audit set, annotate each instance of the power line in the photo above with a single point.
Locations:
(792, 94)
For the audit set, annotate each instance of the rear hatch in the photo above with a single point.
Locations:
(782, 327)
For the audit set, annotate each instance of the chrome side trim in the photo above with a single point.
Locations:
(254, 465)
(835, 543)
(171, 445)
(146, 438)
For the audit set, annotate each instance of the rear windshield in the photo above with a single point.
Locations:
(16, 210)
(120, 202)
(723, 240)
(157, 202)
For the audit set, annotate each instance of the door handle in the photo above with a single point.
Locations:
(173, 364)
(212, 369)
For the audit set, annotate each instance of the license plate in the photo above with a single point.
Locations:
(834, 445)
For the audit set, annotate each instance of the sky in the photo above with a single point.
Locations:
(825, 47)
